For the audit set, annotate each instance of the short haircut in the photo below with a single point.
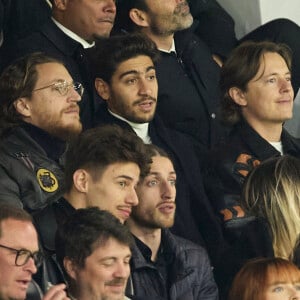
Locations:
(272, 191)
(240, 68)
(252, 281)
(84, 231)
(109, 53)
(97, 148)
(16, 81)
(123, 22)
(13, 212)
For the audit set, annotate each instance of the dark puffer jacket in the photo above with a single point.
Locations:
(190, 276)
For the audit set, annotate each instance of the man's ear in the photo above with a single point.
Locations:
(60, 4)
(238, 96)
(102, 88)
(22, 107)
(70, 268)
(139, 17)
(81, 180)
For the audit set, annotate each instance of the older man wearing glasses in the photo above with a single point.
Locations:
(39, 112)
(20, 257)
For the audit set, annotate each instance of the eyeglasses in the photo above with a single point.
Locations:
(63, 87)
(23, 255)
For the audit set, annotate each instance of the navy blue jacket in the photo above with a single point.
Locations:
(190, 275)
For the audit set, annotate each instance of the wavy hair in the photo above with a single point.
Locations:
(16, 81)
(240, 68)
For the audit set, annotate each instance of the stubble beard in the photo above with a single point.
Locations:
(157, 221)
(170, 24)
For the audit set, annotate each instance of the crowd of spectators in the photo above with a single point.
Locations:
(143, 154)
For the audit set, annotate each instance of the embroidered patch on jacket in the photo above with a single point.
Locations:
(47, 180)
(244, 164)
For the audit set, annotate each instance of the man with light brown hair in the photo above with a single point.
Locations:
(39, 113)
(257, 100)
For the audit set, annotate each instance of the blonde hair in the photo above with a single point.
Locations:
(272, 191)
(253, 279)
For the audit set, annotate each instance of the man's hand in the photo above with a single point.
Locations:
(56, 292)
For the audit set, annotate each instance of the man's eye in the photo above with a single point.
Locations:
(61, 88)
(122, 183)
(108, 263)
(152, 183)
(172, 181)
(151, 77)
(127, 261)
(131, 81)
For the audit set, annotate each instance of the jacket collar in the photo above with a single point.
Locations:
(261, 148)
(53, 147)
(63, 42)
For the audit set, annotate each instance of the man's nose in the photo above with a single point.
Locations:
(30, 266)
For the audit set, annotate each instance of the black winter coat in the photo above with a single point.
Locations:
(189, 95)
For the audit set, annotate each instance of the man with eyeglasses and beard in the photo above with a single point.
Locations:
(20, 257)
(39, 112)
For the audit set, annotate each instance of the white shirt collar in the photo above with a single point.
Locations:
(73, 35)
(141, 129)
(172, 49)
(49, 3)
(277, 146)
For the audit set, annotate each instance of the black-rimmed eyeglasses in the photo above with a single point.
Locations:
(64, 87)
(23, 255)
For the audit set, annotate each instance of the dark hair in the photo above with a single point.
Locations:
(152, 151)
(110, 53)
(252, 281)
(96, 148)
(240, 68)
(16, 81)
(84, 231)
(12, 212)
(123, 22)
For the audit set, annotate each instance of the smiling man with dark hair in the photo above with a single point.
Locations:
(93, 248)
